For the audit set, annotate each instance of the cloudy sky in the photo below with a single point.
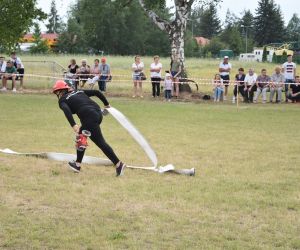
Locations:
(288, 7)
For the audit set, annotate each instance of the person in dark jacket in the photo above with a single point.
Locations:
(90, 115)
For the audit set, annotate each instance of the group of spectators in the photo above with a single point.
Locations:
(250, 85)
(170, 80)
(283, 79)
(11, 69)
(98, 73)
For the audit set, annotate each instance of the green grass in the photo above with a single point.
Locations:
(245, 194)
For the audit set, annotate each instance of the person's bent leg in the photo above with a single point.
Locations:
(13, 80)
(279, 94)
(258, 91)
(272, 91)
(98, 139)
(264, 94)
(241, 91)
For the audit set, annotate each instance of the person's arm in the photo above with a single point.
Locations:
(152, 68)
(97, 93)
(179, 71)
(283, 68)
(68, 113)
(295, 70)
(270, 83)
(134, 68)
(108, 71)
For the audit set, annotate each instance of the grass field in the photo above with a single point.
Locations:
(245, 194)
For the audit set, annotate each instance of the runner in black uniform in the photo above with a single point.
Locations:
(90, 115)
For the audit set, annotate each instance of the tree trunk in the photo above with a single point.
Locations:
(175, 30)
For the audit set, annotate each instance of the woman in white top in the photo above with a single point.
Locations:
(155, 69)
(137, 68)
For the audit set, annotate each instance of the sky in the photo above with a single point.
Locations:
(288, 7)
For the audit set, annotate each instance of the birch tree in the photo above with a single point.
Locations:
(177, 26)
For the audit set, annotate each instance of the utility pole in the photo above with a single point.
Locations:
(246, 27)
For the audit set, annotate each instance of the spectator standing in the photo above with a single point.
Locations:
(294, 96)
(10, 74)
(104, 74)
(155, 72)
(218, 88)
(262, 82)
(277, 83)
(2, 66)
(224, 69)
(175, 73)
(289, 71)
(168, 85)
(250, 86)
(71, 74)
(239, 84)
(20, 68)
(137, 68)
(83, 72)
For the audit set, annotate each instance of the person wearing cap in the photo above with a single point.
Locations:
(104, 74)
(20, 68)
(168, 85)
(277, 83)
(289, 71)
(239, 84)
(83, 72)
(224, 70)
(89, 112)
(10, 74)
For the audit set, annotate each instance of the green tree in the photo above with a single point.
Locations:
(293, 28)
(210, 24)
(246, 24)
(214, 47)
(194, 20)
(231, 34)
(101, 25)
(54, 21)
(72, 40)
(16, 19)
(264, 56)
(269, 23)
(40, 46)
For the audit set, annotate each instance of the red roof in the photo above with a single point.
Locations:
(202, 41)
(50, 36)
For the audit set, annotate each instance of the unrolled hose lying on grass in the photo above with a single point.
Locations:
(98, 161)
